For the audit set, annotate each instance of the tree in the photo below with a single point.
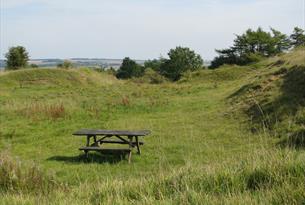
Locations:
(226, 56)
(281, 41)
(252, 46)
(154, 64)
(129, 69)
(251, 41)
(181, 59)
(297, 37)
(17, 57)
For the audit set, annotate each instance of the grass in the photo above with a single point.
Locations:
(202, 148)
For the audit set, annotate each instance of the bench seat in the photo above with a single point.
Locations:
(106, 150)
(103, 150)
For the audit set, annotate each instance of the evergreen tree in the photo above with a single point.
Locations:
(251, 46)
(281, 41)
(297, 37)
(17, 57)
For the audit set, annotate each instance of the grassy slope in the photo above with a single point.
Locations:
(200, 150)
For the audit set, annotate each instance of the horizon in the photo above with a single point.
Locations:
(140, 30)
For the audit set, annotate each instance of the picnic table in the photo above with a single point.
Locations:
(100, 137)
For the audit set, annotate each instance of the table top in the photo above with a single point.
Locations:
(111, 132)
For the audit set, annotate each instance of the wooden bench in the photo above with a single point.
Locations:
(130, 138)
(103, 150)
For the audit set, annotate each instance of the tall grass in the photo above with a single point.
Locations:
(276, 175)
(35, 110)
(17, 176)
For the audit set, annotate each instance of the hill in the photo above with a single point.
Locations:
(78, 62)
(207, 145)
(54, 77)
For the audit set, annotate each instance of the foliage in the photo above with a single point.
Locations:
(111, 71)
(154, 64)
(297, 37)
(66, 64)
(181, 59)
(251, 47)
(280, 41)
(33, 65)
(17, 57)
(129, 69)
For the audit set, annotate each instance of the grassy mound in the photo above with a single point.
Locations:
(275, 97)
(54, 77)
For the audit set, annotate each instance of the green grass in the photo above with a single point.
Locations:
(202, 148)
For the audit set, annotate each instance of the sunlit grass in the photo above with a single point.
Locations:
(202, 149)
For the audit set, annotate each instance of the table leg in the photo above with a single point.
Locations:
(86, 153)
(95, 141)
(130, 142)
(87, 144)
(88, 140)
(138, 145)
(129, 157)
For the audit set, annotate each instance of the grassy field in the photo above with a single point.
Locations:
(229, 136)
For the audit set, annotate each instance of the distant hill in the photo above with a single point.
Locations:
(82, 62)
(79, 62)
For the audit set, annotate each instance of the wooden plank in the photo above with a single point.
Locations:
(106, 150)
(118, 142)
(111, 132)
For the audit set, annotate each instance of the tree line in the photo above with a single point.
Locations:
(181, 59)
(251, 46)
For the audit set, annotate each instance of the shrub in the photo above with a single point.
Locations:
(151, 76)
(181, 59)
(153, 64)
(66, 64)
(129, 69)
(17, 57)
(33, 65)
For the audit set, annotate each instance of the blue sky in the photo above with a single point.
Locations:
(140, 29)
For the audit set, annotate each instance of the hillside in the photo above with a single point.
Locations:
(226, 136)
(274, 98)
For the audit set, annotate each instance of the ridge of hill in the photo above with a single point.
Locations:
(55, 77)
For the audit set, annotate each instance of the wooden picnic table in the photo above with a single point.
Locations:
(100, 137)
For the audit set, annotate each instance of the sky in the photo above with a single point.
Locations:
(140, 29)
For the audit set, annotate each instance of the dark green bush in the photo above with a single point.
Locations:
(129, 69)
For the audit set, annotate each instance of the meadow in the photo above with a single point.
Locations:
(228, 136)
